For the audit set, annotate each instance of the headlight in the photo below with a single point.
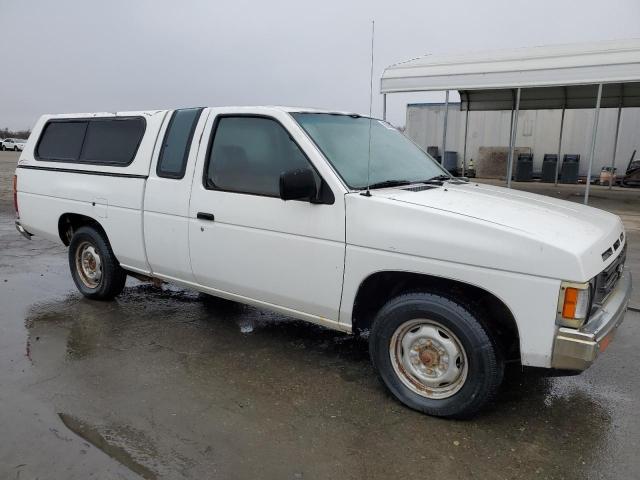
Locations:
(573, 304)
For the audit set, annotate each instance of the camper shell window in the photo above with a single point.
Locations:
(98, 141)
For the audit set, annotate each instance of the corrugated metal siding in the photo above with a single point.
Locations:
(537, 129)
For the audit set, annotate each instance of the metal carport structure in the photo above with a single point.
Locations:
(594, 75)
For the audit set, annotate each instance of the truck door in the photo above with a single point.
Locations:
(246, 241)
(166, 204)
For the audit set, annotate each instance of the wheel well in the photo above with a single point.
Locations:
(70, 222)
(380, 287)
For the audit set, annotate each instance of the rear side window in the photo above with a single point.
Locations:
(99, 141)
(112, 141)
(62, 141)
(177, 143)
(249, 154)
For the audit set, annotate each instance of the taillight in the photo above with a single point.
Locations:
(15, 195)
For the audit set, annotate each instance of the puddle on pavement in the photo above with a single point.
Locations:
(108, 446)
(217, 386)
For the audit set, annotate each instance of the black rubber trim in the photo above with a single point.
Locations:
(83, 172)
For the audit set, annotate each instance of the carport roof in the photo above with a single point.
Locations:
(486, 79)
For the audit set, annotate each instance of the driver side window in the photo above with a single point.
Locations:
(248, 155)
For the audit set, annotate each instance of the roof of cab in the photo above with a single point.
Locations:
(312, 110)
(280, 108)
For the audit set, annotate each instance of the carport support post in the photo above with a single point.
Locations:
(384, 107)
(559, 145)
(615, 146)
(464, 149)
(512, 140)
(592, 152)
(444, 127)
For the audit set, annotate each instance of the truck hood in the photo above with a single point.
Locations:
(537, 234)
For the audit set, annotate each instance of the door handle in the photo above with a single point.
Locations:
(206, 216)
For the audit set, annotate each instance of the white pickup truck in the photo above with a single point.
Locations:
(339, 220)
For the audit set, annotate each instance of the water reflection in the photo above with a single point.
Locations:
(214, 384)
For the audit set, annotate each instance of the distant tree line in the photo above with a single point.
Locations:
(6, 133)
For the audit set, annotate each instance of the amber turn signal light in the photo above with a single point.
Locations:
(573, 304)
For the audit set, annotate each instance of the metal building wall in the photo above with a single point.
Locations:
(537, 129)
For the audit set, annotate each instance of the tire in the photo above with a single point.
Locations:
(15, 149)
(435, 329)
(94, 268)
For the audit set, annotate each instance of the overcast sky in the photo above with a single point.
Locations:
(83, 55)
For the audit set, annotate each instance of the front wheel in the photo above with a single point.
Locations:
(95, 269)
(434, 355)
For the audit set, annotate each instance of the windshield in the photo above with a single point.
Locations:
(344, 140)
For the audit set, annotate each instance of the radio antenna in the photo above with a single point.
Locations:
(373, 33)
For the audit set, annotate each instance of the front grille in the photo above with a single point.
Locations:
(609, 251)
(606, 280)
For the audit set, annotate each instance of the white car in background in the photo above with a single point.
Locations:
(16, 144)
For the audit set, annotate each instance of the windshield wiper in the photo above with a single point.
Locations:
(437, 179)
(390, 183)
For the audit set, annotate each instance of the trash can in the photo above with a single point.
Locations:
(549, 163)
(433, 151)
(608, 176)
(524, 168)
(451, 162)
(570, 168)
(471, 169)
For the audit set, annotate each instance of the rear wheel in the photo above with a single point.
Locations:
(434, 355)
(95, 269)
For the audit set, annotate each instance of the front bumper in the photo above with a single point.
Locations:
(576, 349)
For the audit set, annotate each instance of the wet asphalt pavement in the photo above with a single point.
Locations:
(162, 383)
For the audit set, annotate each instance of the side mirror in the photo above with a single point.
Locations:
(298, 185)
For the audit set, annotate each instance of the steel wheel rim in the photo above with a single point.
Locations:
(89, 264)
(428, 358)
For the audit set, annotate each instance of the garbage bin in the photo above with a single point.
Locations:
(524, 168)
(570, 168)
(608, 175)
(549, 163)
(451, 162)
